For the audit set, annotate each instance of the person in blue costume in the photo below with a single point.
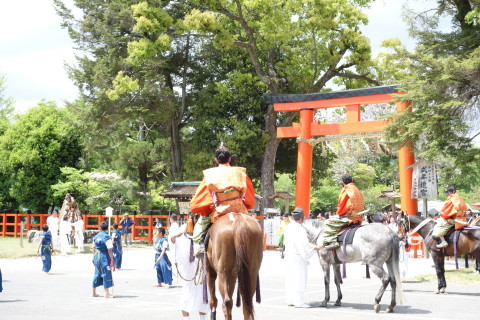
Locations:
(45, 249)
(117, 246)
(1, 287)
(103, 261)
(162, 263)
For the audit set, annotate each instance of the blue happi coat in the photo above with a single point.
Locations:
(46, 250)
(101, 261)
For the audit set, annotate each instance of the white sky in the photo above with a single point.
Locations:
(34, 48)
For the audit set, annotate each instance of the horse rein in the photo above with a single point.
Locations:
(198, 270)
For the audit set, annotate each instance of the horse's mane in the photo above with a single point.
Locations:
(314, 227)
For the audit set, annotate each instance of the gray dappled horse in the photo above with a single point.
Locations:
(374, 244)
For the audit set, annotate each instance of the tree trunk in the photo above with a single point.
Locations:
(142, 174)
(176, 169)
(268, 161)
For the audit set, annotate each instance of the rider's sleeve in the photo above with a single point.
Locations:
(343, 203)
(249, 195)
(448, 210)
(202, 202)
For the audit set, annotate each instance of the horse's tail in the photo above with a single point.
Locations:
(241, 239)
(395, 260)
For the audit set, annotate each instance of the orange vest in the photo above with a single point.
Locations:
(350, 201)
(224, 189)
(455, 208)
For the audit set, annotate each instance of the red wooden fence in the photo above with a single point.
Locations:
(142, 230)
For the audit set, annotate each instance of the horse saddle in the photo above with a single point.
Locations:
(345, 235)
(453, 234)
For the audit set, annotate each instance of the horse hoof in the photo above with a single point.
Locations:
(376, 308)
(389, 310)
(442, 290)
(436, 291)
(323, 304)
(338, 303)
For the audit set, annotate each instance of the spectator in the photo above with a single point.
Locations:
(127, 224)
(79, 233)
(53, 223)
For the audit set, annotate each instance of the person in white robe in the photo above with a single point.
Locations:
(298, 252)
(192, 294)
(404, 252)
(173, 229)
(65, 232)
(53, 224)
(79, 233)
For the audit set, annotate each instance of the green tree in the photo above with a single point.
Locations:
(441, 79)
(293, 46)
(33, 150)
(6, 115)
(6, 107)
(324, 198)
(372, 202)
(127, 109)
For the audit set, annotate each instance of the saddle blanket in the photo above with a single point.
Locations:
(350, 234)
(450, 236)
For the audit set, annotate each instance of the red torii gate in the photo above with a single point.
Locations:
(307, 128)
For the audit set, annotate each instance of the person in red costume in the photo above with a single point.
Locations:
(350, 202)
(452, 215)
(224, 189)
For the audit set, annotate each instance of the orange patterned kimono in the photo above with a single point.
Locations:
(350, 201)
(453, 209)
(224, 189)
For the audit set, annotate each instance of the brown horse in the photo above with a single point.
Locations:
(235, 250)
(468, 243)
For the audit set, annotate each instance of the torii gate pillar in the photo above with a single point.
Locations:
(406, 158)
(304, 163)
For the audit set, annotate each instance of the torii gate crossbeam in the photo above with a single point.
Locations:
(307, 128)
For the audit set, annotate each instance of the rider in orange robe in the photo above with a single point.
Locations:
(452, 215)
(350, 202)
(224, 189)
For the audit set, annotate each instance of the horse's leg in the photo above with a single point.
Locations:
(326, 279)
(385, 278)
(393, 285)
(477, 266)
(338, 281)
(226, 285)
(211, 278)
(439, 261)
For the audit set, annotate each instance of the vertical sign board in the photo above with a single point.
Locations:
(424, 182)
(271, 230)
